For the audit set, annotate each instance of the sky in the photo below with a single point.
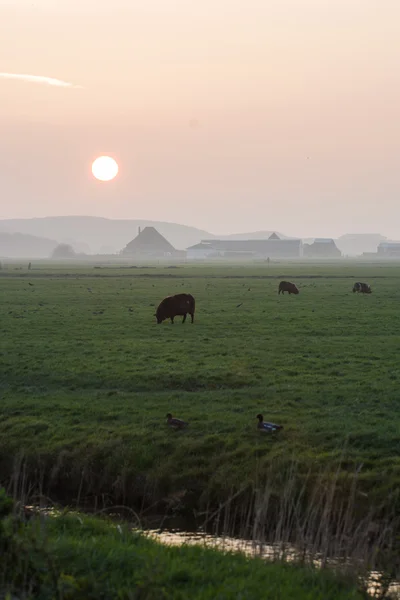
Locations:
(228, 115)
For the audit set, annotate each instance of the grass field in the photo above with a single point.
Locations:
(87, 377)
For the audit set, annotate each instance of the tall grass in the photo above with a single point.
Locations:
(314, 524)
(74, 557)
(317, 523)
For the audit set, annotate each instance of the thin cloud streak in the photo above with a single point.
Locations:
(39, 79)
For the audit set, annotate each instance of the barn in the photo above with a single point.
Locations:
(150, 244)
(201, 251)
(389, 249)
(272, 247)
(322, 248)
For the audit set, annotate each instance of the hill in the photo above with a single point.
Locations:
(20, 245)
(93, 235)
(100, 235)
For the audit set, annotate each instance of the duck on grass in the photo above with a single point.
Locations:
(176, 423)
(263, 426)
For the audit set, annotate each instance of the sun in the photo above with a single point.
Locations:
(105, 168)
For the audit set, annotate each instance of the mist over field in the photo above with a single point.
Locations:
(37, 238)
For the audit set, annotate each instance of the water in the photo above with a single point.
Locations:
(251, 548)
(257, 549)
(224, 544)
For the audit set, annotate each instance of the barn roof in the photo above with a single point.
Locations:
(200, 246)
(252, 244)
(389, 244)
(322, 247)
(148, 240)
(263, 247)
(274, 236)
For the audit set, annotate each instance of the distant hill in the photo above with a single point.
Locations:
(95, 234)
(20, 245)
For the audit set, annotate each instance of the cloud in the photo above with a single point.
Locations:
(38, 79)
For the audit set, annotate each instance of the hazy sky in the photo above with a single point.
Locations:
(229, 115)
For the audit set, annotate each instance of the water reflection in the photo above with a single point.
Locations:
(225, 544)
(251, 548)
(258, 549)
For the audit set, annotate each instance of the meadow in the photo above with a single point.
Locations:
(87, 377)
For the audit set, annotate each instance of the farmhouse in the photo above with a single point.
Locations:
(201, 251)
(322, 248)
(273, 247)
(149, 243)
(389, 249)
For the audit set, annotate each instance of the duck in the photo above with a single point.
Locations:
(175, 423)
(267, 427)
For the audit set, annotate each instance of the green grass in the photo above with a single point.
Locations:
(86, 382)
(74, 557)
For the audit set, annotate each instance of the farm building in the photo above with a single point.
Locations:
(149, 243)
(389, 249)
(322, 248)
(356, 244)
(201, 251)
(273, 247)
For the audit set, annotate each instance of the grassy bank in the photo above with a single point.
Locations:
(74, 557)
(87, 378)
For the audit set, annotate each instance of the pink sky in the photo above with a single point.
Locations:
(226, 115)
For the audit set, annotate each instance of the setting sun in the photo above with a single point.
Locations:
(104, 168)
